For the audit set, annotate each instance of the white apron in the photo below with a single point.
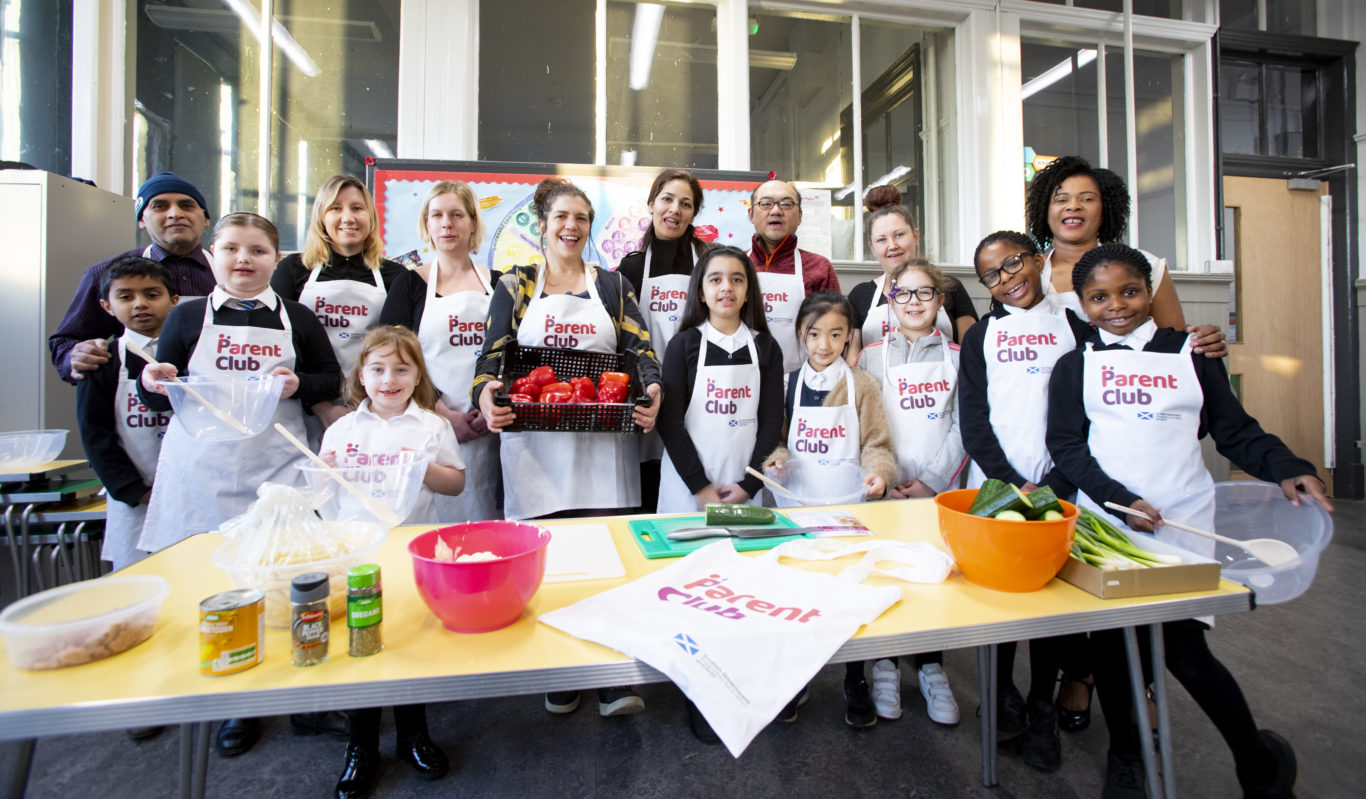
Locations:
(140, 430)
(1020, 350)
(551, 472)
(201, 484)
(723, 422)
(662, 299)
(881, 320)
(347, 309)
(823, 436)
(452, 336)
(391, 439)
(783, 295)
(915, 396)
(1146, 437)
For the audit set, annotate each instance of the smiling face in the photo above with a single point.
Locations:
(566, 226)
(724, 288)
(1020, 290)
(893, 241)
(673, 209)
(175, 222)
(825, 339)
(139, 302)
(775, 223)
(347, 221)
(915, 317)
(1115, 298)
(449, 226)
(388, 381)
(243, 260)
(1074, 212)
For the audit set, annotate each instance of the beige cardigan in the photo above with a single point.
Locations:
(875, 434)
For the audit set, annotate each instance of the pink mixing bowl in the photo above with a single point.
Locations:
(479, 596)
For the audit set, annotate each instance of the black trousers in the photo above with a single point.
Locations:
(409, 720)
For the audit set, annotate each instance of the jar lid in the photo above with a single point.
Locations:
(363, 576)
(309, 587)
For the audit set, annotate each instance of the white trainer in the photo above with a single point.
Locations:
(887, 690)
(939, 701)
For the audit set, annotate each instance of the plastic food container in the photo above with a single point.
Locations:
(28, 449)
(483, 595)
(393, 481)
(363, 539)
(1001, 554)
(250, 399)
(82, 622)
(1244, 510)
(826, 485)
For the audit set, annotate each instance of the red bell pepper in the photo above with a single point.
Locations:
(611, 393)
(527, 386)
(614, 379)
(583, 390)
(516, 398)
(557, 392)
(542, 376)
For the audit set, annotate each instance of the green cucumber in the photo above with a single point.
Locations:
(995, 496)
(1052, 516)
(1010, 516)
(1042, 500)
(720, 514)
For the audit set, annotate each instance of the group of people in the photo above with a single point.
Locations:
(768, 367)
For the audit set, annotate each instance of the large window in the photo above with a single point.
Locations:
(35, 83)
(1268, 109)
(1273, 16)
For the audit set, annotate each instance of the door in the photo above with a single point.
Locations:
(1277, 361)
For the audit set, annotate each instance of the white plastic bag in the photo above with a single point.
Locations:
(740, 636)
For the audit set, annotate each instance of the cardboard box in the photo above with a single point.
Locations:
(1198, 573)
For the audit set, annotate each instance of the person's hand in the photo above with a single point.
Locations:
(733, 494)
(876, 486)
(496, 416)
(154, 372)
(146, 498)
(1141, 524)
(329, 457)
(777, 470)
(1309, 484)
(477, 423)
(1028, 487)
(645, 415)
(914, 489)
(706, 496)
(291, 381)
(88, 356)
(460, 421)
(1208, 340)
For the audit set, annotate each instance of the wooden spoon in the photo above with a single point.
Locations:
(1267, 550)
(771, 483)
(384, 513)
(214, 409)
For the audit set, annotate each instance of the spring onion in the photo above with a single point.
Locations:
(1100, 543)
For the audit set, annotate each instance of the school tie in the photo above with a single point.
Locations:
(243, 305)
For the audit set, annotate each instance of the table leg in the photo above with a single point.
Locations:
(1164, 729)
(36, 562)
(986, 691)
(1145, 739)
(66, 560)
(14, 552)
(23, 762)
(201, 757)
(24, 542)
(187, 732)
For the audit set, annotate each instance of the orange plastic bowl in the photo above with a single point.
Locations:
(480, 596)
(1001, 554)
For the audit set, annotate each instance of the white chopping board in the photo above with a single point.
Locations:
(582, 552)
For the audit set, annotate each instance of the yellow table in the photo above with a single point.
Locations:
(158, 682)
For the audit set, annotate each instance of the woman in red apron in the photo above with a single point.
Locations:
(1098, 434)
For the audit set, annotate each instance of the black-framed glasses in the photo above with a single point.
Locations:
(1009, 266)
(902, 296)
(766, 204)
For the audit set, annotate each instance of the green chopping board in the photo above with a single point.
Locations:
(651, 535)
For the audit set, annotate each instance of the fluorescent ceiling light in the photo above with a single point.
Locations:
(1055, 73)
(216, 20)
(251, 19)
(644, 34)
(379, 148)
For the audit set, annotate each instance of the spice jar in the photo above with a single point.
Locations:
(363, 610)
(308, 634)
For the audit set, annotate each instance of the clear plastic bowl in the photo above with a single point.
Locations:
(819, 485)
(28, 449)
(82, 622)
(1244, 510)
(250, 399)
(274, 579)
(395, 484)
(478, 596)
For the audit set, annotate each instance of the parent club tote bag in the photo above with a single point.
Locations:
(740, 636)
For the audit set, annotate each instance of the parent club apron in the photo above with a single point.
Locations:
(1020, 349)
(722, 420)
(662, 300)
(918, 399)
(375, 436)
(783, 295)
(550, 472)
(821, 437)
(201, 484)
(880, 320)
(140, 430)
(452, 336)
(1146, 437)
(346, 309)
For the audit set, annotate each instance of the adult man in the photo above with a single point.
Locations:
(786, 274)
(175, 216)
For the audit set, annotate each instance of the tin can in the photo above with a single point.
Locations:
(232, 631)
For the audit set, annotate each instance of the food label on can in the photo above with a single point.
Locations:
(231, 631)
(364, 611)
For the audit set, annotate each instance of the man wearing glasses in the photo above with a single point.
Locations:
(786, 274)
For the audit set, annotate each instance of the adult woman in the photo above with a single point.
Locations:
(659, 274)
(446, 303)
(893, 239)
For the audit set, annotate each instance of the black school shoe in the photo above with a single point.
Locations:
(1042, 746)
(236, 736)
(1282, 783)
(701, 728)
(426, 758)
(859, 710)
(358, 775)
(1010, 716)
(1124, 778)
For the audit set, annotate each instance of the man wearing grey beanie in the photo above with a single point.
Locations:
(173, 212)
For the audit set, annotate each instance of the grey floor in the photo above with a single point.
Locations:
(1302, 665)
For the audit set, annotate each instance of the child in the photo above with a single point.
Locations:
(122, 437)
(1104, 441)
(1003, 410)
(201, 484)
(723, 388)
(395, 401)
(845, 406)
(916, 366)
